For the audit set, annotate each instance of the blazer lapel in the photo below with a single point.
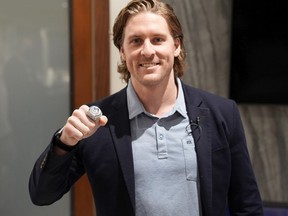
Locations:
(119, 125)
(202, 136)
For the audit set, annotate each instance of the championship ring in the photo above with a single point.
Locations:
(94, 113)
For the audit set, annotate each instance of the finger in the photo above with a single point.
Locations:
(81, 115)
(70, 135)
(84, 108)
(77, 126)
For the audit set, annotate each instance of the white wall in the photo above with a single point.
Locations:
(115, 82)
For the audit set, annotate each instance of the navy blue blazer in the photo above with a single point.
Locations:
(225, 172)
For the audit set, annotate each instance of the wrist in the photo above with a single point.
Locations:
(57, 142)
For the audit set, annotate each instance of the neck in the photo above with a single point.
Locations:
(158, 100)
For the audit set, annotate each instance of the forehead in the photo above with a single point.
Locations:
(145, 23)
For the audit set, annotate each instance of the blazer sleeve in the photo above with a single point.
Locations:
(243, 197)
(52, 176)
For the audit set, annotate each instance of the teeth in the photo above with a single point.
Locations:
(148, 65)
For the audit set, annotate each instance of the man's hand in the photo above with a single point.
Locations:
(79, 126)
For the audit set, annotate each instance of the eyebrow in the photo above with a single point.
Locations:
(139, 35)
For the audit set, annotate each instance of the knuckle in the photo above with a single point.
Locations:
(76, 113)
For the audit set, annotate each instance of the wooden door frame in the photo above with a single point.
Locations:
(90, 74)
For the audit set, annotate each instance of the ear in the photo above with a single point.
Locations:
(122, 54)
(178, 47)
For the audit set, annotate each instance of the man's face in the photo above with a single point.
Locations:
(149, 50)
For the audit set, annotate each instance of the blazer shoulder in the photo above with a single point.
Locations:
(114, 101)
(206, 99)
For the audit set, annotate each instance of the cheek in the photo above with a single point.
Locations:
(131, 58)
(167, 52)
(130, 63)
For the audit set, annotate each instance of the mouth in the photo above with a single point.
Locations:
(148, 65)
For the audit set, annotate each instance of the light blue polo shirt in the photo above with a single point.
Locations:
(165, 163)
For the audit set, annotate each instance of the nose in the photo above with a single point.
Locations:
(147, 49)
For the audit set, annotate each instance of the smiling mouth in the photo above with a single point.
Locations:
(147, 65)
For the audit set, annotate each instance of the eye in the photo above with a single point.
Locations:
(158, 40)
(136, 41)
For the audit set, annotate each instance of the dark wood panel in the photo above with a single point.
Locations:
(102, 66)
(90, 74)
(82, 52)
(82, 89)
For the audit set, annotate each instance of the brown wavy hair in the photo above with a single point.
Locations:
(155, 6)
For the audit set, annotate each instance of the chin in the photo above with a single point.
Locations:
(152, 81)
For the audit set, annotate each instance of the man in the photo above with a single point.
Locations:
(167, 149)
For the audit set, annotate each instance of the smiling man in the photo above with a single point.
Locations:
(149, 50)
(161, 147)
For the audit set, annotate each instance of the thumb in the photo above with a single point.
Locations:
(103, 120)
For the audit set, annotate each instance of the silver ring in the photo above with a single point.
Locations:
(94, 113)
